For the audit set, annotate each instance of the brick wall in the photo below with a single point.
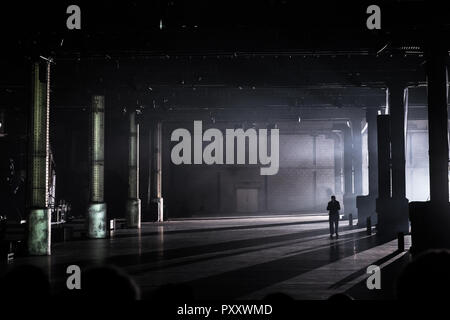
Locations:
(304, 183)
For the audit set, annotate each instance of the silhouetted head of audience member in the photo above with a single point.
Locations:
(108, 283)
(174, 292)
(340, 297)
(426, 277)
(24, 283)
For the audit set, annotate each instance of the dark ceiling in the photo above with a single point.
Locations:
(218, 54)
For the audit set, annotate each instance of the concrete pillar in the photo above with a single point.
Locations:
(96, 215)
(398, 109)
(430, 221)
(314, 154)
(39, 220)
(150, 171)
(384, 161)
(144, 170)
(158, 171)
(349, 195)
(398, 106)
(357, 156)
(384, 171)
(372, 146)
(392, 205)
(337, 165)
(133, 209)
(438, 124)
(367, 204)
(348, 164)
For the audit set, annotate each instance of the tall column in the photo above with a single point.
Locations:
(133, 213)
(430, 221)
(383, 202)
(150, 171)
(367, 204)
(39, 221)
(357, 156)
(392, 205)
(349, 196)
(158, 170)
(436, 68)
(398, 108)
(96, 215)
(314, 136)
(348, 167)
(144, 169)
(371, 118)
(337, 164)
(384, 161)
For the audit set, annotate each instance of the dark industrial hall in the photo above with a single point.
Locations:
(261, 151)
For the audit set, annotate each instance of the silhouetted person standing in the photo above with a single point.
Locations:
(333, 208)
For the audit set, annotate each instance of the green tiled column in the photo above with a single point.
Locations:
(133, 213)
(158, 170)
(39, 228)
(96, 214)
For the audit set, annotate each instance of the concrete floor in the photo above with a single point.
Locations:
(238, 258)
